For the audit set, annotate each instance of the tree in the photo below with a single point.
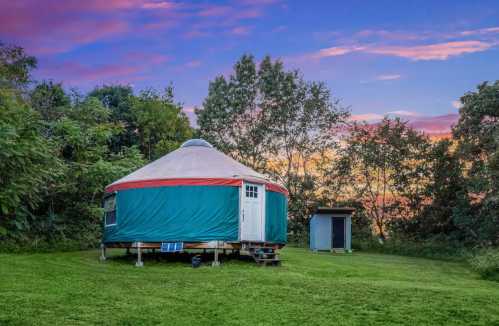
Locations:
(71, 207)
(15, 67)
(477, 134)
(118, 99)
(28, 163)
(386, 164)
(162, 125)
(50, 100)
(231, 118)
(275, 122)
(445, 191)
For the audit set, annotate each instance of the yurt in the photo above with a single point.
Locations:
(195, 197)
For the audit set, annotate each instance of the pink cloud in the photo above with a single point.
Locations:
(366, 117)
(215, 11)
(432, 125)
(76, 73)
(248, 13)
(390, 35)
(335, 51)
(159, 5)
(404, 113)
(259, 2)
(457, 104)
(98, 5)
(241, 30)
(388, 77)
(157, 26)
(436, 124)
(195, 33)
(191, 115)
(193, 64)
(75, 34)
(189, 109)
(146, 58)
(439, 51)
(482, 31)
(234, 13)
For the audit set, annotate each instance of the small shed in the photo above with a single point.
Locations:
(331, 229)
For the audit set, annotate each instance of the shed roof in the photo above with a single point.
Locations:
(335, 210)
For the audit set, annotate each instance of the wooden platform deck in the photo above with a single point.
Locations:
(196, 245)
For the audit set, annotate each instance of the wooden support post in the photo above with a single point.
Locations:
(216, 262)
(139, 262)
(102, 252)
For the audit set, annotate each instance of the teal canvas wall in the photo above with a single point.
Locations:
(176, 213)
(276, 217)
(189, 214)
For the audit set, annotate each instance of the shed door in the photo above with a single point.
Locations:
(252, 214)
(338, 232)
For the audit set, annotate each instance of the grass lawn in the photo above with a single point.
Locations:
(308, 289)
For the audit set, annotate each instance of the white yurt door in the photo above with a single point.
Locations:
(252, 213)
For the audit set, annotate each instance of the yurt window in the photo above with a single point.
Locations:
(110, 210)
(252, 191)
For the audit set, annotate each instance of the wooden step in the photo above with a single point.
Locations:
(264, 255)
(268, 259)
(272, 262)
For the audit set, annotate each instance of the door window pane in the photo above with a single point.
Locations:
(251, 191)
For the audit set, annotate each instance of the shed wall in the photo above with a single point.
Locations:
(320, 232)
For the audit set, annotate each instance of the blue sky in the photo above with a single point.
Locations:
(414, 58)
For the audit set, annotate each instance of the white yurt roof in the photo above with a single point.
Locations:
(196, 158)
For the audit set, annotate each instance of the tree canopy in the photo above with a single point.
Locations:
(58, 150)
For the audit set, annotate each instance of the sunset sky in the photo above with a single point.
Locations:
(408, 58)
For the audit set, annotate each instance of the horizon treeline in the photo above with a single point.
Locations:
(59, 149)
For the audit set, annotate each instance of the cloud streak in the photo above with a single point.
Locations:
(421, 46)
(432, 125)
(74, 72)
(438, 51)
(388, 77)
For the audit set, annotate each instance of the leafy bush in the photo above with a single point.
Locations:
(433, 248)
(298, 239)
(486, 263)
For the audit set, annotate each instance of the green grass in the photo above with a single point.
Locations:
(308, 289)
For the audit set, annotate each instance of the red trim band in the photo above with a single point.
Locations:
(276, 188)
(189, 182)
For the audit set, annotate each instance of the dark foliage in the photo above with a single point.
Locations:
(58, 151)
